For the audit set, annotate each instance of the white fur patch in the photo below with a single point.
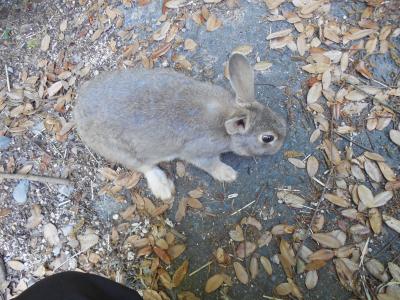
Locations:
(159, 184)
(224, 172)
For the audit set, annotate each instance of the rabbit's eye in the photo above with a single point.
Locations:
(268, 138)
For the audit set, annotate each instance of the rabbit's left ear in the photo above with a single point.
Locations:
(241, 76)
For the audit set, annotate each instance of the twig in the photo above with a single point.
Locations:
(8, 79)
(43, 179)
(68, 259)
(351, 141)
(321, 198)
(244, 207)
(362, 272)
(271, 298)
(201, 268)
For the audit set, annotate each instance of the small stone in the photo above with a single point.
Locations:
(20, 192)
(66, 190)
(4, 142)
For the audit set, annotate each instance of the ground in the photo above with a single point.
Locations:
(105, 221)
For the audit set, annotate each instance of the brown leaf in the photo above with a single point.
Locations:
(322, 254)
(194, 203)
(161, 50)
(395, 136)
(337, 200)
(176, 250)
(54, 88)
(375, 220)
(213, 283)
(297, 163)
(196, 193)
(190, 45)
(272, 4)
(318, 223)
(251, 221)
(326, 240)
(264, 239)
(243, 49)
(180, 273)
(36, 217)
(162, 255)
(302, 44)
(245, 249)
(237, 234)
(253, 267)
(281, 229)
(241, 273)
(283, 289)
(262, 66)
(279, 34)
(362, 69)
(391, 222)
(372, 170)
(387, 172)
(315, 265)
(44, 45)
(377, 269)
(213, 23)
(151, 295)
(311, 279)
(266, 264)
(181, 211)
(291, 200)
(165, 278)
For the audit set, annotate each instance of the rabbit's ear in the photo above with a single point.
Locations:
(241, 76)
(237, 125)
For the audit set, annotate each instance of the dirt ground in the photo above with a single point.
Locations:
(106, 221)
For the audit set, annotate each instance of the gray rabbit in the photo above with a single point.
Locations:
(140, 118)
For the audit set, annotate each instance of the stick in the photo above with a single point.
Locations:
(43, 179)
(8, 79)
(244, 207)
(355, 143)
(68, 259)
(201, 268)
(321, 198)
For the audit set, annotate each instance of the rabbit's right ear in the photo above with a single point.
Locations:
(237, 125)
(241, 76)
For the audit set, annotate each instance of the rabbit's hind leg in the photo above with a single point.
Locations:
(215, 167)
(159, 184)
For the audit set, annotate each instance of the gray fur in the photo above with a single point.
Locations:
(142, 117)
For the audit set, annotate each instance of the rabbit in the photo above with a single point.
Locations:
(139, 118)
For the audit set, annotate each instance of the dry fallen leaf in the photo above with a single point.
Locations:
(291, 199)
(213, 23)
(237, 234)
(297, 162)
(151, 295)
(314, 93)
(176, 250)
(272, 4)
(245, 249)
(283, 289)
(243, 49)
(337, 200)
(44, 45)
(375, 220)
(377, 269)
(311, 279)
(253, 267)
(165, 278)
(387, 172)
(190, 45)
(279, 34)
(395, 136)
(241, 273)
(50, 234)
(312, 166)
(326, 240)
(391, 222)
(262, 66)
(214, 282)
(180, 273)
(266, 265)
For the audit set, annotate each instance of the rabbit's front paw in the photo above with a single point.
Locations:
(224, 172)
(162, 187)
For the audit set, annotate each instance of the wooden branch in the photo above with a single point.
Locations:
(43, 179)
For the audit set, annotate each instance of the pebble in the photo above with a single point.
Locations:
(20, 192)
(66, 190)
(4, 142)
